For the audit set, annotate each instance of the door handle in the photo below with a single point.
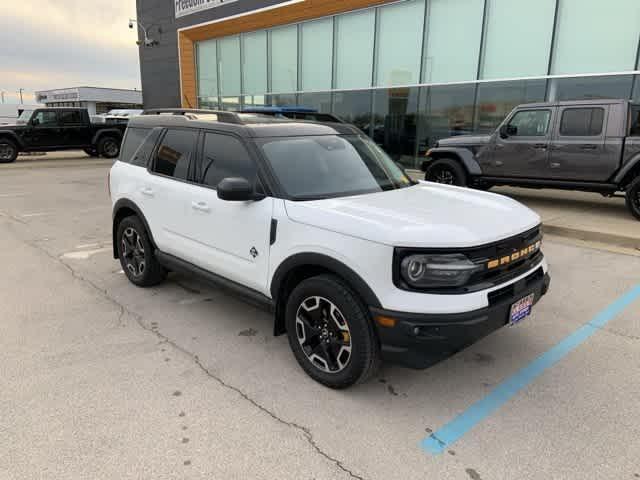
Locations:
(555, 165)
(540, 146)
(200, 206)
(147, 191)
(588, 147)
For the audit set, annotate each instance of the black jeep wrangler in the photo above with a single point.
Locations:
(589, 145)
(48, 129)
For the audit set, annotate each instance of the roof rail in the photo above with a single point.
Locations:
(223, 116)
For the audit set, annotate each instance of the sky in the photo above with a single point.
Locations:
(47, 44)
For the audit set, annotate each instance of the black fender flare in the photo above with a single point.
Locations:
(12, 135)
(124, 205)
(466, 156)
(626, 169)
(111, 132)
(354, 280)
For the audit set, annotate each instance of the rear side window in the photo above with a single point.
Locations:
(582, 122)
(132, 141)
(224, 156)
(71, 117)
(174, 153)
(634, 129)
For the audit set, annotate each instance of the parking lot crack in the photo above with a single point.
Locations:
(123, 310)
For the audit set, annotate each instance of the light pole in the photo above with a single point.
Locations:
(148, 42)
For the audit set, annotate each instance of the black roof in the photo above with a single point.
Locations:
(247, 124)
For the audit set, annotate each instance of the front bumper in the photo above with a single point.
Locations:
(419, 340)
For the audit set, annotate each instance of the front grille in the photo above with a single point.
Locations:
(509, 291)
(487, 277)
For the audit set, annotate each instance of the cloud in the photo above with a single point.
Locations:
(64, 43)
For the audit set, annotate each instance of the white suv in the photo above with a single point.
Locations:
(316, 223)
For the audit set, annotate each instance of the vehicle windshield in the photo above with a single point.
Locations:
(24, 116)
(317, 167)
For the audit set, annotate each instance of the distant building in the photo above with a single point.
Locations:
(96, 100)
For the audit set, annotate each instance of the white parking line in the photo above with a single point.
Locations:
(37, 214)
(85, 254)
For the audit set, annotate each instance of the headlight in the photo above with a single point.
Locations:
(428, 271)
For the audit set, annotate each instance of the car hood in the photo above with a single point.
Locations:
(464, 140)
(424, 215)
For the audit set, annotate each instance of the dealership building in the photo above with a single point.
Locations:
(406, 72)
(96, 100)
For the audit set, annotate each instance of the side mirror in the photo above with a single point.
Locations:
(35, 122)
(507, 131)
(236, 189)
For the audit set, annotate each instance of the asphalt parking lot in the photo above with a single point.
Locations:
(104, 380)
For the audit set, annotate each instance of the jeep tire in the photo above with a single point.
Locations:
(633, 197)
(109, 147)
(447, 171)
(137, 255)
(331, 333)
(8, 151)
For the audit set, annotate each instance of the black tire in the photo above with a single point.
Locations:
(314, 297)
(139, 264)
(447, 171)
(109, 147)
(633, 197)
(8, 151)
(92, 152)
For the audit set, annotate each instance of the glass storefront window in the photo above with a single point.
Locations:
(596, 36)
(496, 99)
(354, 107)
(398, 43)
(515, 48)
(207, 63)
(395, 122)
(320, 101)
(445, 111)
(590, 87)
(254, 62)
(230, 103)
(254, 101)
(282, 100)
(284, 59)
(229, 65)
(317, 54)
(452, 40)
(354, 49)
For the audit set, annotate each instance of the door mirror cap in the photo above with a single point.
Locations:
(237, 189)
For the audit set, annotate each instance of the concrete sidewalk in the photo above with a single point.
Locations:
(582, 216)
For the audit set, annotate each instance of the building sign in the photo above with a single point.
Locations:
(187, 7)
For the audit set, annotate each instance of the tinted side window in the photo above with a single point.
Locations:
(72, 117)
(224, 156)
(45, 118)
(132, 141)
(175, 152)
(582, 122)
(530, 123)
(634, 131)
(143, 153)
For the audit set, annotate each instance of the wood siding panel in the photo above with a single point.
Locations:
(307, 10)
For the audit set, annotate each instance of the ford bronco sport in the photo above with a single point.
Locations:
(317, 224)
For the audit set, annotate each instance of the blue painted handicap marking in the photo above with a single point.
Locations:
(456, 428)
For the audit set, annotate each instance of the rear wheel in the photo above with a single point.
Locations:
(109, 147)
(633, 197)
(330, 332)
(8, 151)
(448, 172)
(136, 254)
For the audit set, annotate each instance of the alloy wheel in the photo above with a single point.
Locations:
(133, 252)
(323, 334)
(444, 175)
(6, 151)
(110, 148)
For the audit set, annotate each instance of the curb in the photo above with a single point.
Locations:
(591, 236)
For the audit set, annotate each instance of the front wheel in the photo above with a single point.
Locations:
(633, 198)
(8, 151)
(109, 147)
(330, 332)
(448, 172)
